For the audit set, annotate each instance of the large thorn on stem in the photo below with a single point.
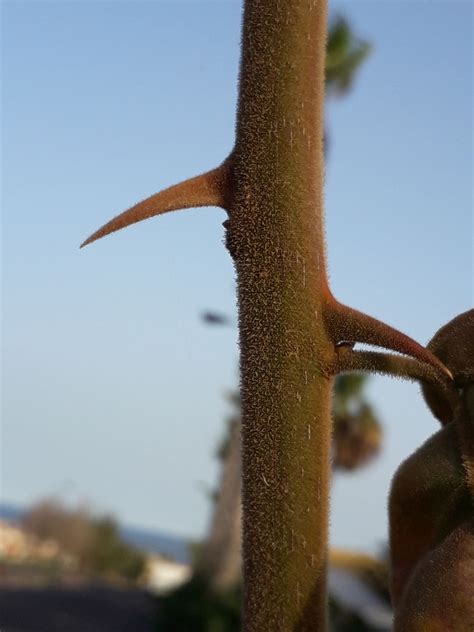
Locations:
(396, 366)
(208, 189)
(349, 325)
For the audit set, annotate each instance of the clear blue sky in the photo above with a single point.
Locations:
(112, 387)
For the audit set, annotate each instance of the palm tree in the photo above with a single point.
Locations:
(344, 56)
(357, 433)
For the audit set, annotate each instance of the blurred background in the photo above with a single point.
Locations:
(120, 408)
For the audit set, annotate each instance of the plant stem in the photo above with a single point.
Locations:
(275, 234)
(291, 328)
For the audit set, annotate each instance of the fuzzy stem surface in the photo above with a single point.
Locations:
(275, 235)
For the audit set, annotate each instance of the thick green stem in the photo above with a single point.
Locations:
(290, 324)
(275, 235)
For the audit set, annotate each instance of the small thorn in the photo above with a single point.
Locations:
(208, 189)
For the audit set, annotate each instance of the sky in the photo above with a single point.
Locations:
(113, 389)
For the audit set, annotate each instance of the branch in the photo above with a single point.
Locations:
(209, 189)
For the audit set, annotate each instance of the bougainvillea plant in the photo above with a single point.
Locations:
(294, 335)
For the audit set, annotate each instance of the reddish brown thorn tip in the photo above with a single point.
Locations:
(345, 323)
(208, 189)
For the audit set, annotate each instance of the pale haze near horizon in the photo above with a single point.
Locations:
(113, 389)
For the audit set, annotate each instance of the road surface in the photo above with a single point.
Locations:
(76, 609)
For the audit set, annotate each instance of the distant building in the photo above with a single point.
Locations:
(163, 575)
(358, 582)
(18, 546)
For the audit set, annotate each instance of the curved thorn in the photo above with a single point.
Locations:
(347, 324)
(385, 364)
(207, 189)
(395, 366)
